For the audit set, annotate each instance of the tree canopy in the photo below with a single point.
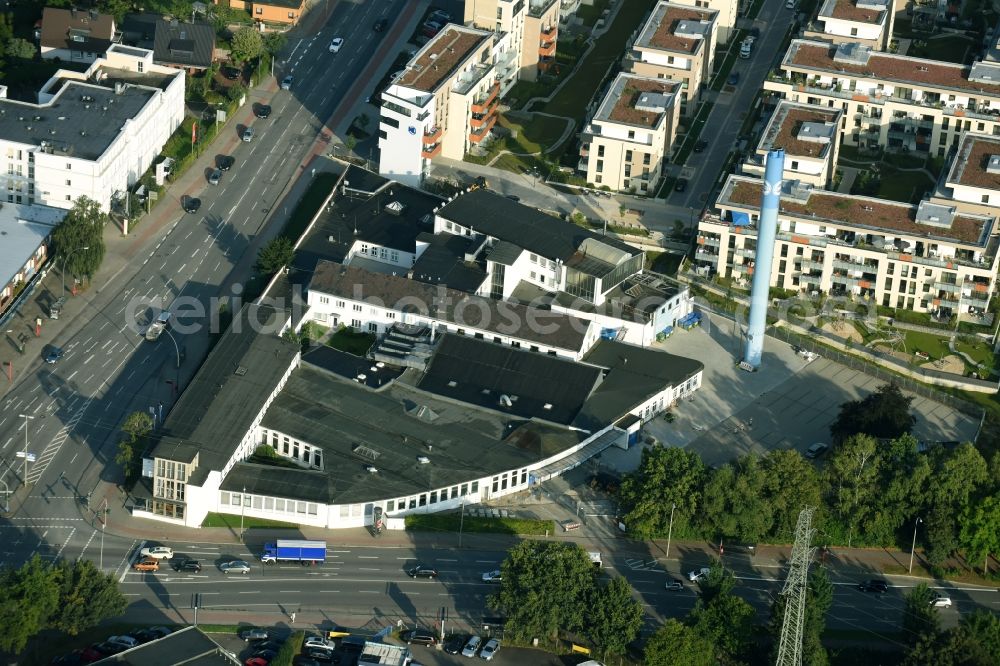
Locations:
(246, 44)
(275, 255)
(613, 616)
(83, 227)
(133, 443)
(884, 414)
(666, 476)
(675, 644)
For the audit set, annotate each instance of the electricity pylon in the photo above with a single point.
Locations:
(795, 590)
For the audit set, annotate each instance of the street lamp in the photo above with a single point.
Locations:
(243, 504)
(104, 525)
(913, 546)
(670, 530)
(461, 523)
(66, 261)
(26, 418)
(6, 496)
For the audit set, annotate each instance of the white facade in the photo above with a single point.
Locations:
(50, 171)
(728, 12)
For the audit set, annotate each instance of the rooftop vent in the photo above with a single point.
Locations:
(935, 215)
(993, 165)
(852, 54)
(241, 371)
(423, 460)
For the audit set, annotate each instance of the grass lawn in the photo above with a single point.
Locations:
(590, 13)
(951, 48)
(534, 134)
(307, 206)
(693, 133)
(572, 99)
(934, 346)
(451, 522)
(233, 522)
(666, 263)
(905, 186)
(979, 350)
(352, 342)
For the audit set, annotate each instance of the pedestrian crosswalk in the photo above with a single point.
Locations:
(52, 448)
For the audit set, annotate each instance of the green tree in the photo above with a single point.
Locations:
(819, 599)
(83, 227)
(133, 443)
(920, 618)
(7, 27)
(675, 644)
(904, 475)
(613, 617)
(236, 91)
(28, 598)
(734, 502)
(884, 414)
(941, 535)
(851, 475)
(719, 581)
(20, 48)
(545, 588)
(959, 474)
(790, 483)
(274, 42)
(87, 597)
(955, 647)
(983, 627)
(666, 477)
(117, 8)
(726, 622)
(246, 44)
(278, 253)
(980, 530)
(290, 648)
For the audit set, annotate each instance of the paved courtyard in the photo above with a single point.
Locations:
(788, 403)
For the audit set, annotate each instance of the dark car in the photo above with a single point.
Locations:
(700, 146)
(231, 73)
(455, 643)
(144, 635)
(262, 110)
(380, 25)
(160, 632)
(192, 204)
(320, 654)
(254, 634)
(72, 659)
(419, 636)
(107, 648)
(191, 565)
(226, 162)
(876, 585)
(266, 646)
(53, 355)
(422, 571)
(91, 654)
(513, 197)
(304, 660)
(681, 185)
(733, 79)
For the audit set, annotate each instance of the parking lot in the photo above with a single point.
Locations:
(788, 403)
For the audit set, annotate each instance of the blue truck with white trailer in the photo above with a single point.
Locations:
(294, 550)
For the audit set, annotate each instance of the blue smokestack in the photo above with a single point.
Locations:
(767, 229)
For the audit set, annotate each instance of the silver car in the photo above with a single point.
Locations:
(472, 647)
(235, 566)
(247, 134)
(490, 649)
(215, 176)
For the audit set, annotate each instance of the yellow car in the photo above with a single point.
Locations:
(147, 564)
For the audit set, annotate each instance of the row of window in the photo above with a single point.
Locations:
(168, 469)
(376, 252)
(294, 449)
(274, 504)
(433, 497)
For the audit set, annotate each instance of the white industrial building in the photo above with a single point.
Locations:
(91, 133)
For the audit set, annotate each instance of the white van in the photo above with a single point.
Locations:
(156, 329)
(745, 49)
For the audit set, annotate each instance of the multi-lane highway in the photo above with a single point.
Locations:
(75, 406)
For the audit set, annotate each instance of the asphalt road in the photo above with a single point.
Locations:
(357, 585)
(76, 405)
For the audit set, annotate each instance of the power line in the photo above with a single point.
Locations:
(795, 590)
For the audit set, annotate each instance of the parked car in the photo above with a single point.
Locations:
(267, 655)
(144, 635)
(160, 631)
(147, 564)
(455, 643)
(231, 73)
(262, 111)
(380, 25)
(422, 571)
(254, 634)
(816, 450)
(941, 601)
(698, 574)
(746, 48)
(876, 585)
(681, 185)
(700, 146)
(286, 83)
(255, 661)
(318, 641)
(472, 646)
(235, 566)
(490, 649)
(419, 636)
(215, 177)
(247, 134)
(192, 204)
(320, 654)
(127, 641)
(157, 552)
(673, 585)
(73, 658)
(734, 78)
(336, 44)
(226, 162)
(492, 577)
(53, 355)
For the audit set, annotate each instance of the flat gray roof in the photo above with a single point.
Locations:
(22, 230)
(83, 119)
(187, 646)
(462, 442)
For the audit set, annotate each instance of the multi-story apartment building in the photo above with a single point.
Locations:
(926, 258)
(892, 101)
(973, 180)
(532, 26)
(677, 42)
(809, 135)
(443, 103)
(92, 133)
(728, 10)
(624, 144)
(866, 22)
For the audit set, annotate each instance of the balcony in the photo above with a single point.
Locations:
(550, 32)
(808, 278)
(547, 50)
(847, 265)
(430, 152)
(477, 122)
(704, 255)
(585, 150)
(949, 287)
(810, 265)
(746, 252)
(479, 133)
(708, 241)
(432, 136)
(481, 105)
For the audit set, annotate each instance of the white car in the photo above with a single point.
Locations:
(492, 577)
(698, 574)
(490, 649)
(157, 552)
(319, 642)
(336, 44)
(941, 601)
(472, 647)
